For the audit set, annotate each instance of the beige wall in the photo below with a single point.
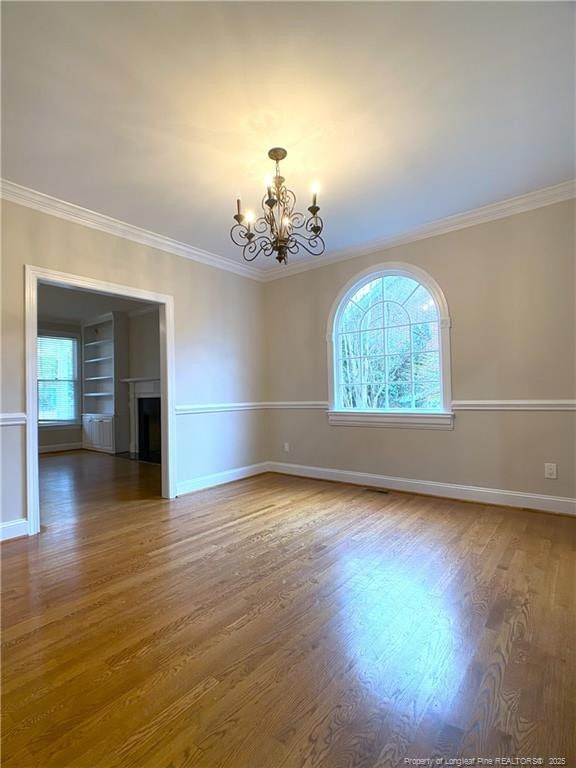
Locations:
(144, 345)
(218, 330)
(510, 289)
(509, 285)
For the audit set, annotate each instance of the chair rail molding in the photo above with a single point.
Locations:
(323, 405)
(12, 419)
(300, 405)
(514, 405)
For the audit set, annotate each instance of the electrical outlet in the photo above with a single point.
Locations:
(286, 447)
(551, 471)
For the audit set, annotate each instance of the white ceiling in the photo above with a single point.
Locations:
(159, 114)
(72, 305)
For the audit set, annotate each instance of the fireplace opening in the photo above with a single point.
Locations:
(149, 429)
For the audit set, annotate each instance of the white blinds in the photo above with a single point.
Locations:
(58, 384)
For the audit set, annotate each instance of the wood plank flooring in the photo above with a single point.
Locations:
(281, 623)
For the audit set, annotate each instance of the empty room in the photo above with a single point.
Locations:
(288, 406)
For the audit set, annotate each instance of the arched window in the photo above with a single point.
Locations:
(390, 344)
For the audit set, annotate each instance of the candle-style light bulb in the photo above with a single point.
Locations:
(315, 189)
(249, 219)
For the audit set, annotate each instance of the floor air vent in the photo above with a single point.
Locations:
(377, 490)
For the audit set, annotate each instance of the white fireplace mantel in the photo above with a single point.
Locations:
(140, 386)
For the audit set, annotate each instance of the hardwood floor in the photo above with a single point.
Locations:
(279, 623)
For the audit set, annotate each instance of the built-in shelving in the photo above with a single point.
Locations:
(99, 359)
(98, 341)
(105, 396)
(99, 394)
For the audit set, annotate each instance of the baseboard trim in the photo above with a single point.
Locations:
(219, 478)
(540, 502)
(57, 447)
(13, 529)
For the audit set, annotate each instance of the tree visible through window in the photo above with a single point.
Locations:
(57, 378)
(387, 347)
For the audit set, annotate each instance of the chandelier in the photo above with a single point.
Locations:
(280, 229)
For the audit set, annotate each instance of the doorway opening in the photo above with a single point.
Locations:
(99, 395)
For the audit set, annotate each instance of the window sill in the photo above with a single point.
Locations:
(59, 424)
(403, 419)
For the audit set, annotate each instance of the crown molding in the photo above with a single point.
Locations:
(39, 201)
(521, 204)
(15, 193)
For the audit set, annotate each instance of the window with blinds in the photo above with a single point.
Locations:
(58, 381)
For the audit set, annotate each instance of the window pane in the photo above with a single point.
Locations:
(351, 318)
(369, 294)
(400, 395)
(351, 397)
(394, 314)
(351, 371)
(56, 356)
(427, 395)
(57, 378)
(426, 366)
(374, 318)
(350, 344)
(374, 396)
(398, 288)
(398, 340)
(399, 368)
(421, 307)
(374, 370)
(56, 401)
(424, 337)
(372, 343)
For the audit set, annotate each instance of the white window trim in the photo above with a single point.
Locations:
(337, 416)
(76, 335)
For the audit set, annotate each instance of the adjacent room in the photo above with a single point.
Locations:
(288, 423)
(98, 373)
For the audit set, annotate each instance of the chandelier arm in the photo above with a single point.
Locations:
(260, 245)
(315, 246)
(314, 221)
(239, 234)
(298, 220)
(260, 226)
